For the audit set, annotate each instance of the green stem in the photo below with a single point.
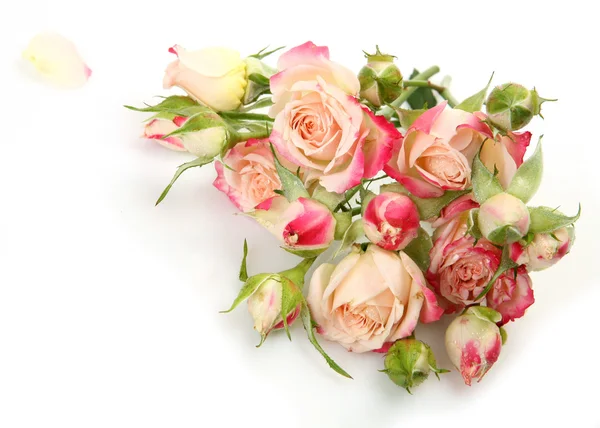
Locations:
(445, 94)
(245, 136)
(265, 102)
(388, 112)
(246, 116)
(349, 195)
(423, 84)
(356, 211)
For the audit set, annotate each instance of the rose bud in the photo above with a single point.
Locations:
(391, 221)
(215, 77)
(474, 342)
(204, 134)
(545, 250)
(304, 225)
(274, 299)
(265, 304)
(254, 89)
(503, 219)
(158, 127)
(512, 106)
(380, 80)
(408, 363)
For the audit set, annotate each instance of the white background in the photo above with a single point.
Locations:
(109, 306)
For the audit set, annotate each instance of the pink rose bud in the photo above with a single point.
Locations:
(511, 294)
(274, 299)
(215, 77)
(545, 250)
(391, 221)
(206, 133)
(159, 127)
(380, 80)
(503, 219)
(301, 225)
(265, 304)
(474, 342)
(408, 363)
(512, 106)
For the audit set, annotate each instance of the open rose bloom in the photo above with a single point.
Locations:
(437, 151)
(370, 299)
(300, 144)
(247, 174)
(320, 124)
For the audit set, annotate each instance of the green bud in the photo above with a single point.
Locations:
(408, 363)
(512, 106)
(257, 74)
(380, 80)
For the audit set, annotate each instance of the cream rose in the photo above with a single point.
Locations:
(319, 124)
(215, 77)
(437, 151)
(370, 298)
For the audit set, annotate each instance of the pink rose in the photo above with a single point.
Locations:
(391, 221)
(304, 224)
(157, 128)
(248, 175)
(505, 154)
(370, 298)
(305, 63)
(460, 269)
(438, 151)
(545, 250)
(454, 209)
(511, 296)
(215, 77)
(321, 127)
(474, 342)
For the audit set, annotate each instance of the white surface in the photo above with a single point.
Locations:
(109, 306)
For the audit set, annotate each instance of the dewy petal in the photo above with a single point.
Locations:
(495, 156)
(516, 143)
(157, 128)
(57, 59)
(209, 62)
(379, 142)
(426, 120)
(307, 53)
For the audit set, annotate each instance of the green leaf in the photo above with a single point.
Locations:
(306, 254)
(407, 117)
(343, 220)
(307, 322)
(354, 232)
(172, 104)
(428, 207)
(421, 97)
(203, 119)
(293, 188)
(473, 225)
(330, 199)
(485, 183)
(528, 177)
(506, 263)
(290, 299)
(504, 335)
(249, 287)
(180, 170)
(485, 313)
(475, 102)
(243, 270)
(418, 249)
(546, 220)
(259, 79)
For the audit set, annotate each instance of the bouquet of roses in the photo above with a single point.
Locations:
(301, 148)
